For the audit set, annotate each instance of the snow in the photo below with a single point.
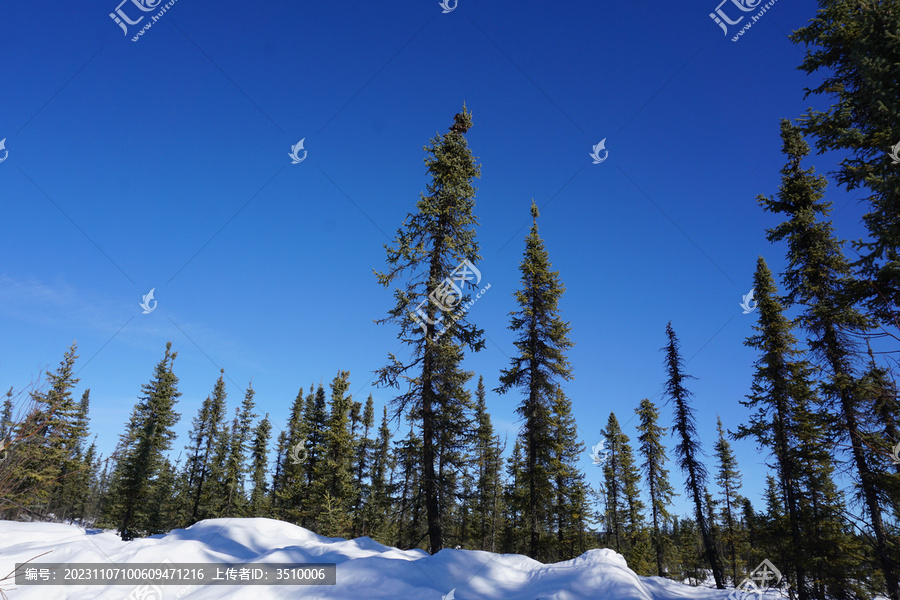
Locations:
(366, 570)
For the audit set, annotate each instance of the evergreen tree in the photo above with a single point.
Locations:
(362, 489)
(487, 473)
(6, 416)
(541, 363)
(818, 279)
(44, 445)
(570, 507)
(148, 436)
(332, 486)
(433, 242)
(259, 451)
(378, 506)
(657, 477)
(206, 432)
(728, 477)
(853, 43)
(235, 468)
(688, 450)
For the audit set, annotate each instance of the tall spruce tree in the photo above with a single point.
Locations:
(148, 436)
(209, 437)
(818, 278)
(432, 247)
(688, 450)
(657, 477)
(332, 486)
(538, 368)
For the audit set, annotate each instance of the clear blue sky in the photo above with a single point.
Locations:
(163, 163)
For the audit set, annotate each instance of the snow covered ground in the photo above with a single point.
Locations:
(366, 570)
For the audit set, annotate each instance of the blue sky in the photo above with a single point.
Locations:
(163, 163)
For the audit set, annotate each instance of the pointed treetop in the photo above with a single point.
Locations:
(462, 122)
(534, 210)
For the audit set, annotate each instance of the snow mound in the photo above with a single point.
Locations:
(366, 570)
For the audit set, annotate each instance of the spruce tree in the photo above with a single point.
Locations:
(487, 472)
(819, 278)
(332, 485)
(148, 436)
(360, 469)
(213, 413)
(432, 247)
(728, 477)
(570, 506)
(657, 478)
(259, 461)
(688, 450)
(853, 44)
(379, 503)
(541, 363)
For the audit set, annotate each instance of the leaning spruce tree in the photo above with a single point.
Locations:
(148, 436)
(688, 449)
(429, 247)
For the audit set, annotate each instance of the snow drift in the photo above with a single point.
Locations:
(366, 570)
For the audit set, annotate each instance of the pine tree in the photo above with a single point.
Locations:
(657, 477)
(148, 436)
(437, 247)
(259, 452)
(728, 477)
(853, 43)
(688, 450)
(212, 413)
(6, 416)
(819, 278)
(541, 363)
